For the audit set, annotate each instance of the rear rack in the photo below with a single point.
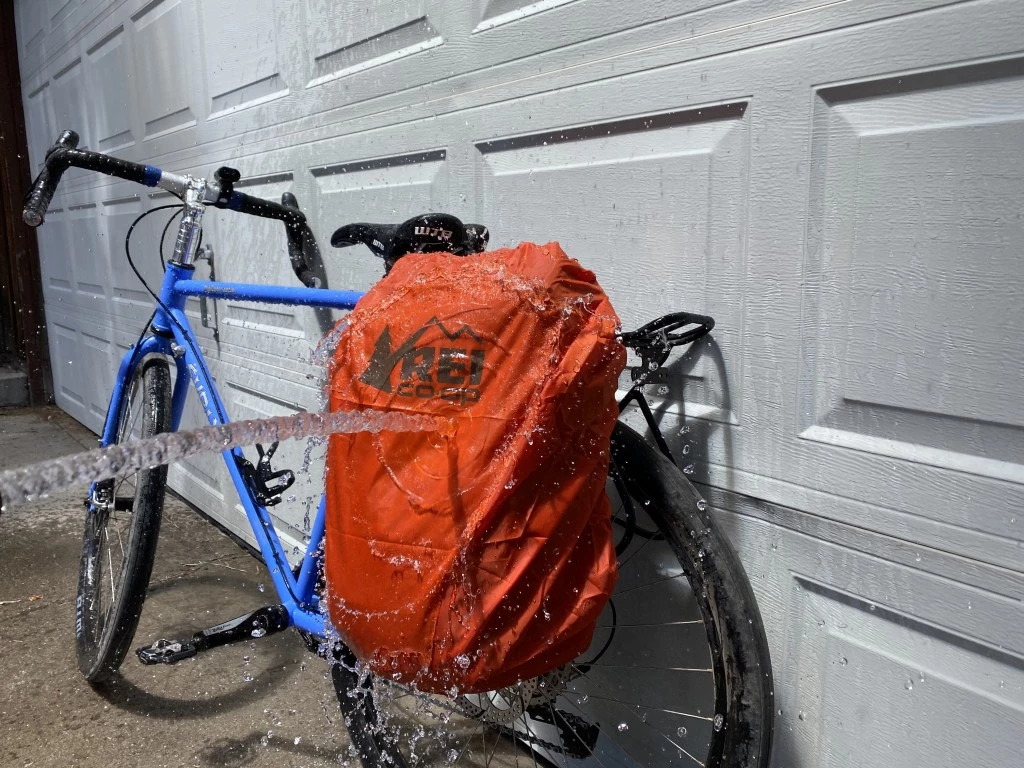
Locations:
(653, 342)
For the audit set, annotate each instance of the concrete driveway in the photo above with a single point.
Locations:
(268, 703)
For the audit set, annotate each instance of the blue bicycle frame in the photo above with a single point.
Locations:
(172, 325)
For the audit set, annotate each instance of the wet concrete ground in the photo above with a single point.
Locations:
(202, 712)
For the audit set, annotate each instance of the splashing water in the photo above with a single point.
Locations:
(31, 482)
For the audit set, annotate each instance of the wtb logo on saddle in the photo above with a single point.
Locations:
(432, 370)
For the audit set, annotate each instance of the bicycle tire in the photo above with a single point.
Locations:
(105, 625)
(733, 716)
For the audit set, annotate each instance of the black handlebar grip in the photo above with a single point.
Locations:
(267, 209)
(38, 198)
(299, 236)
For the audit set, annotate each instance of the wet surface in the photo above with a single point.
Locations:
(204, 711)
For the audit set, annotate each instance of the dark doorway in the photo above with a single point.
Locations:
(24, 359)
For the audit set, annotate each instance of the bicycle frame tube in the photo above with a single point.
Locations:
(296, 594)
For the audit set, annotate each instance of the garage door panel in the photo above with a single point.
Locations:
(664, 196)
(70, 99)
(877, 663)
(392, 188)
(242, 54)
(914, 269)
(128, 291)
(352, 38)
(88, 265)
(163, 45)
(61, 12)
(936, 700)
(107, 70)
(254, 250)
(38, 124)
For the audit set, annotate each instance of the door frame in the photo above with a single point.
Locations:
(22, 320)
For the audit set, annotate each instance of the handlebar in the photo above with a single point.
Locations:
(220, 194)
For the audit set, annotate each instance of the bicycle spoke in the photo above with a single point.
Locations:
(640, 549)
(649, 584)
(632, 714)
(113, 591)
(120, 542)
(661, 624)
(596, 697)
(649, 666)
(533, 739)
(463, 751)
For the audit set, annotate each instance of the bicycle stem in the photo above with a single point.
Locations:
(187, 242)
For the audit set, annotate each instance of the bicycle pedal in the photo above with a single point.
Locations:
(166, 652)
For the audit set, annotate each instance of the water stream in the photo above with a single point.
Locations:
(28, 483)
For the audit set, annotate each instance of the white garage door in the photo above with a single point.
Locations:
(840, 184)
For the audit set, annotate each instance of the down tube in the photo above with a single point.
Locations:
(259, 520)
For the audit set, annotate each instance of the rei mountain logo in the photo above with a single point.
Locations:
(436, 369)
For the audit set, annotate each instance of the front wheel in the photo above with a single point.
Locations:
(121, 530)
(678, 672)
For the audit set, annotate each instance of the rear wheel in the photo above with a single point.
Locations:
(121, 531)
(678, 673)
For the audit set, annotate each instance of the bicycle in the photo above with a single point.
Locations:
(681, 676)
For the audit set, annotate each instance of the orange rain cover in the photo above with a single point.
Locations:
(479, 555)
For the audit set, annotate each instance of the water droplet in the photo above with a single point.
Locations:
(247, 677)
(258, 632)
(260, 587)
(701, 504)
(681, 731)
(909, 685)
(843, 661)
(719, 722)
(688, 469)
(800, 715)
(623, 727)
(686, 449)
(297, 740)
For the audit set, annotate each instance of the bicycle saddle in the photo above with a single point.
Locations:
(426, 233)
